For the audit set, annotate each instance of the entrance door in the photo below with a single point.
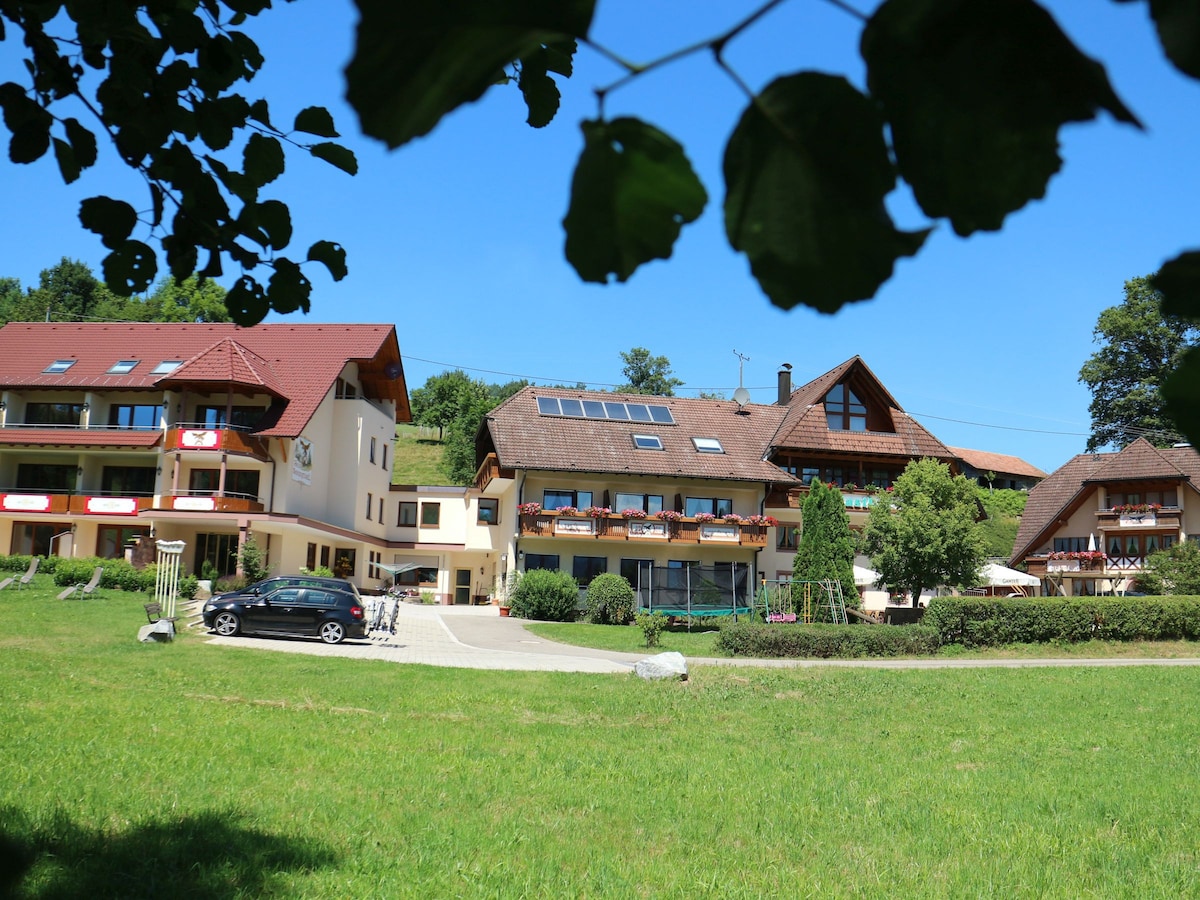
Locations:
(462, 586)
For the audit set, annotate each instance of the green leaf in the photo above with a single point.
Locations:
(113, 220)
(83, 143)
(806, 173)
(130, 268)
(1179, 283)
(315, 120)
(67, 164)
(1178, 23)
(28, 122)
(276, 221)
(262, 159)
(538, 89)
(336, 155)
(1181, 393)
(413, 63)
(332, 255)
(632, 191)
(246, 302)
(261, 113)
(974, 92)
(288, 290)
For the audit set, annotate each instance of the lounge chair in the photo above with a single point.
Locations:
(85, 590)
(7, 581)
(25, 579)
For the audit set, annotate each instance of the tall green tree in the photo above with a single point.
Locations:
(826, 548)
(646, 374)
(926, 535)
(1140, 346)
(66, 292)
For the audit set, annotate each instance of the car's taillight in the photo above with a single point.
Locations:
(356, 612)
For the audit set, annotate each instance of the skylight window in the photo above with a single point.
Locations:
(647, 442)
(167, 365)
(58, 366)
(707, 445)
(123, 367)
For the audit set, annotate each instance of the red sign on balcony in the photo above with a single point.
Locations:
(25, 503)
(111, 506)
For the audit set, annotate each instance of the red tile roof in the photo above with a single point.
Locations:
(999, 463)
(79, 437)
(1138, 460)
(300, 361)
(525, 439)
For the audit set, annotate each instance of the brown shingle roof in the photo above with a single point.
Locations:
(1137, 461)
(1051, 497)
(304, 359)
(79, 437)
(999, 463)
(525, 439)
(227, 363)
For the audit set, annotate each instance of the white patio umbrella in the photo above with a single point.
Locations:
(864, 577)
(997, 575)
(1092, 542)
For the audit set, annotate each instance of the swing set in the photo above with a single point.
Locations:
(784, 601)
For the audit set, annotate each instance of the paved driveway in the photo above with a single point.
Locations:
(475, 637)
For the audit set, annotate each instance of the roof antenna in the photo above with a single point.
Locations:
(741, 396)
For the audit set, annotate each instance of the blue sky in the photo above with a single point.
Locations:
(456, 238)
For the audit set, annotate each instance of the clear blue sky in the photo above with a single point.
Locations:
(456, 238)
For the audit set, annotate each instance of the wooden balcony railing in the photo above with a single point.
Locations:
(1166, 517)
(219, 439)
(192, 503)
(618, 528)
(490, 470)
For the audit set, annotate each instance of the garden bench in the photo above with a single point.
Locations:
(154, 613)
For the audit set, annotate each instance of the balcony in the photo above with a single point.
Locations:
(195, 502)
(217, 439)
(491, 479)
(63, 503)
(1161, 517)
(651, 530)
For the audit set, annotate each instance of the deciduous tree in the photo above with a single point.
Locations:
(826, 548)
(1139, 346)
(646, 374)
(926, 535)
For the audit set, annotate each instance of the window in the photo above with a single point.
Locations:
(238, 416)
(123, 367)
(541, 561)
(370, 503)
(373, 558)
(425, 576)
(407, 514)
(553, 499)
(324, 556)
(167, 365)
(371, 454)
(345, 562)
(431, 514)
(489, 511)
(45, 477)
(380, 509)
(34, 538)
(345, 390)
(111, 539)
(717, 506)
(138, 416)
(218, 549)
(808, 473)
(585, 568)
(647, 442)
(238, 482)
(383, 459)
(787, 537)
(707, 445)
(648, 503)
(310, 557)
(1070, 544)
(136, 481)
(58, 366)
(53, 413)
(637, 572)
(844, 411)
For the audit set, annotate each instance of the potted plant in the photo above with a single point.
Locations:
(632, 513)
(567, 511)
(529, 509)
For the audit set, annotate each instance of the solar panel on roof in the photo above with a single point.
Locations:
(605, 409)
(571, 407)
(548, 406)
(639, 412)
(661, 414)
(594, 409)
(616, 411)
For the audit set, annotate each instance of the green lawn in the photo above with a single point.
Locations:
(416, 459)
(188, 770)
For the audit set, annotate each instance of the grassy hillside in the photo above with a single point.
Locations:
(1004, 509)
(417, 456)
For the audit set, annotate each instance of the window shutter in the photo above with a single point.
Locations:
(679, 503)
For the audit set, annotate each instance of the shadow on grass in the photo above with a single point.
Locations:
(206, 855)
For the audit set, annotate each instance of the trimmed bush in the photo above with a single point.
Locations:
(545, 595)
(993, 621)
(827, 641)
(118, 574)
(21, 564)
(610, 600)
(652, 625)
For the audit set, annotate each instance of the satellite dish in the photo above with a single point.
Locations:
(393, 370)
(741, 396)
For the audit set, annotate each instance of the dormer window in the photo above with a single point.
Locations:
(166, 366)
(123, 367)
(844, 411)
(707, 445)
(58, 366)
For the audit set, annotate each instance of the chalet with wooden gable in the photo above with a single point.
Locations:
(1089, 526)
(204, 433)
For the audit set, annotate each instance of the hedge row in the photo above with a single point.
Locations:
(827, 641)
(990, 622)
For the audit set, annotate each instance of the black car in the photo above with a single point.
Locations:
(329, 614)
(275, 582)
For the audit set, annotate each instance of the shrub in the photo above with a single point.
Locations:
(827, 641)
(321, 571)
(993, 621)
(542, 594)
(253, 561)
(652, 625)
(610, 600)
(21, 564)
(229, 583)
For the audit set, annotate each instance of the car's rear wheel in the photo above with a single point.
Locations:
(226, 624)
(333, 632)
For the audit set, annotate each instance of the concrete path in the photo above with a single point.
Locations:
(476, 637)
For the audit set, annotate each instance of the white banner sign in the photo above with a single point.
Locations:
(302, 460)
(194, 504)
(27, 502)
(200, 440)
(111, 506)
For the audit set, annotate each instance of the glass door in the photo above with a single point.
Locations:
(462, 587)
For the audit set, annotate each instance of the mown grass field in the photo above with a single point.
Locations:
(416, 457)
(189, 770)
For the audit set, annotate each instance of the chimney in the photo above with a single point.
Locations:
(785, 384)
